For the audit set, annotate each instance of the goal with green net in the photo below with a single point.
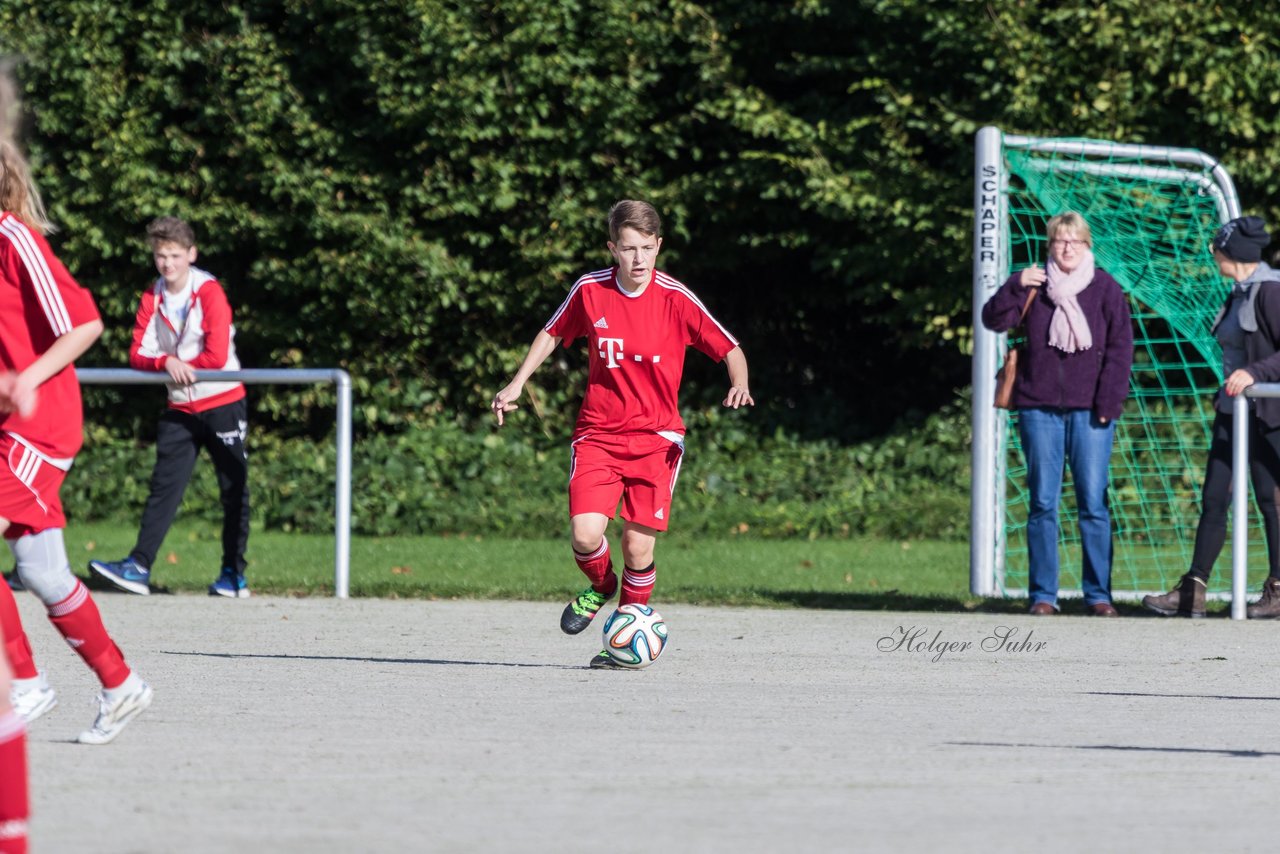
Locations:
(1153, 212)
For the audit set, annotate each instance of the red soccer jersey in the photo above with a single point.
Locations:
(636, 348)
(40, 302)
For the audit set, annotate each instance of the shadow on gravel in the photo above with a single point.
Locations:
(890, 600)
(98, 584)
(1212, 751)
(895, 600)
(1178, 696)
(368, 660)
(94, 582)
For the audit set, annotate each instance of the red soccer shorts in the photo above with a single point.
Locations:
(638, 468)
(29, 487)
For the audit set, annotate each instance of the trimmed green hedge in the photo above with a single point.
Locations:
(407, 188)
(912, 483)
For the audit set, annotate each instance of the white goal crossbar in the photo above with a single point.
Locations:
(278, 376)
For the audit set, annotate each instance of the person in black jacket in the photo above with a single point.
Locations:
(1248, 329)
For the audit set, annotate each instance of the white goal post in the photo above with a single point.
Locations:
(278, 376)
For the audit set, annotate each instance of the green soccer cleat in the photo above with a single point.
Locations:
(602, 660)
(579, 613)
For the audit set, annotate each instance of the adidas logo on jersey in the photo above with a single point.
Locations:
(658, 515)
(601, 324)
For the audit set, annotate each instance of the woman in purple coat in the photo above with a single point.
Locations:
(1072, 383)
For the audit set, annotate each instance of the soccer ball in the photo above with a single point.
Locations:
(634, 636)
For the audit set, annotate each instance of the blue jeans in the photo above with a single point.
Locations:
(1051, 437)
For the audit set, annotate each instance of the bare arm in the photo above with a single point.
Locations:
(739, 395)
(65, 350)
(504, 401)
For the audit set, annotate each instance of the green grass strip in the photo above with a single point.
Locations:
(856, 574)
(852, 573)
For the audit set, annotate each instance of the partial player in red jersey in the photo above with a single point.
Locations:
(46, 321)
(14, 807)
(628, 442)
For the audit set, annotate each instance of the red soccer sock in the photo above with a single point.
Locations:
(598, 568)
(78, 620)
(637, 585)
(13, 793)
(16, 646)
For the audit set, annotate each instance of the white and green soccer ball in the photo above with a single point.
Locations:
(634, 635)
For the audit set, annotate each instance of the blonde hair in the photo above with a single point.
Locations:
(1069, 221)
(18, 193)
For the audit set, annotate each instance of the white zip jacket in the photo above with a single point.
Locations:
(206, 342)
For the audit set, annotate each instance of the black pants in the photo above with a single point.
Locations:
(180, 436)
(1264, 472)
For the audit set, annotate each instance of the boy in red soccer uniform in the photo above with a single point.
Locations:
(184, 325)
(46, 321)
(629, 439)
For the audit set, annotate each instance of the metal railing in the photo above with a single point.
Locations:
(278, 376)
(1240, 494)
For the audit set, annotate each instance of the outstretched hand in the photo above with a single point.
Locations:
(504, 402)
(738, 396)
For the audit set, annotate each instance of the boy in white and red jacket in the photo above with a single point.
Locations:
(184, 325)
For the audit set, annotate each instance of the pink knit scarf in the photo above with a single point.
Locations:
(1068, 329)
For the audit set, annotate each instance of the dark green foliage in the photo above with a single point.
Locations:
(406, 189)
(913, 483)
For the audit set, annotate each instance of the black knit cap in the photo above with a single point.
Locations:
(1243, 239)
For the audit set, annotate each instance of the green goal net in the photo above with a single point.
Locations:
(1153, 212)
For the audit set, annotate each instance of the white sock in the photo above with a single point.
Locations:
(128, 686)
(35, 683)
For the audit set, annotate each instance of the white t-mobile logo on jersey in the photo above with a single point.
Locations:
(612, 350)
